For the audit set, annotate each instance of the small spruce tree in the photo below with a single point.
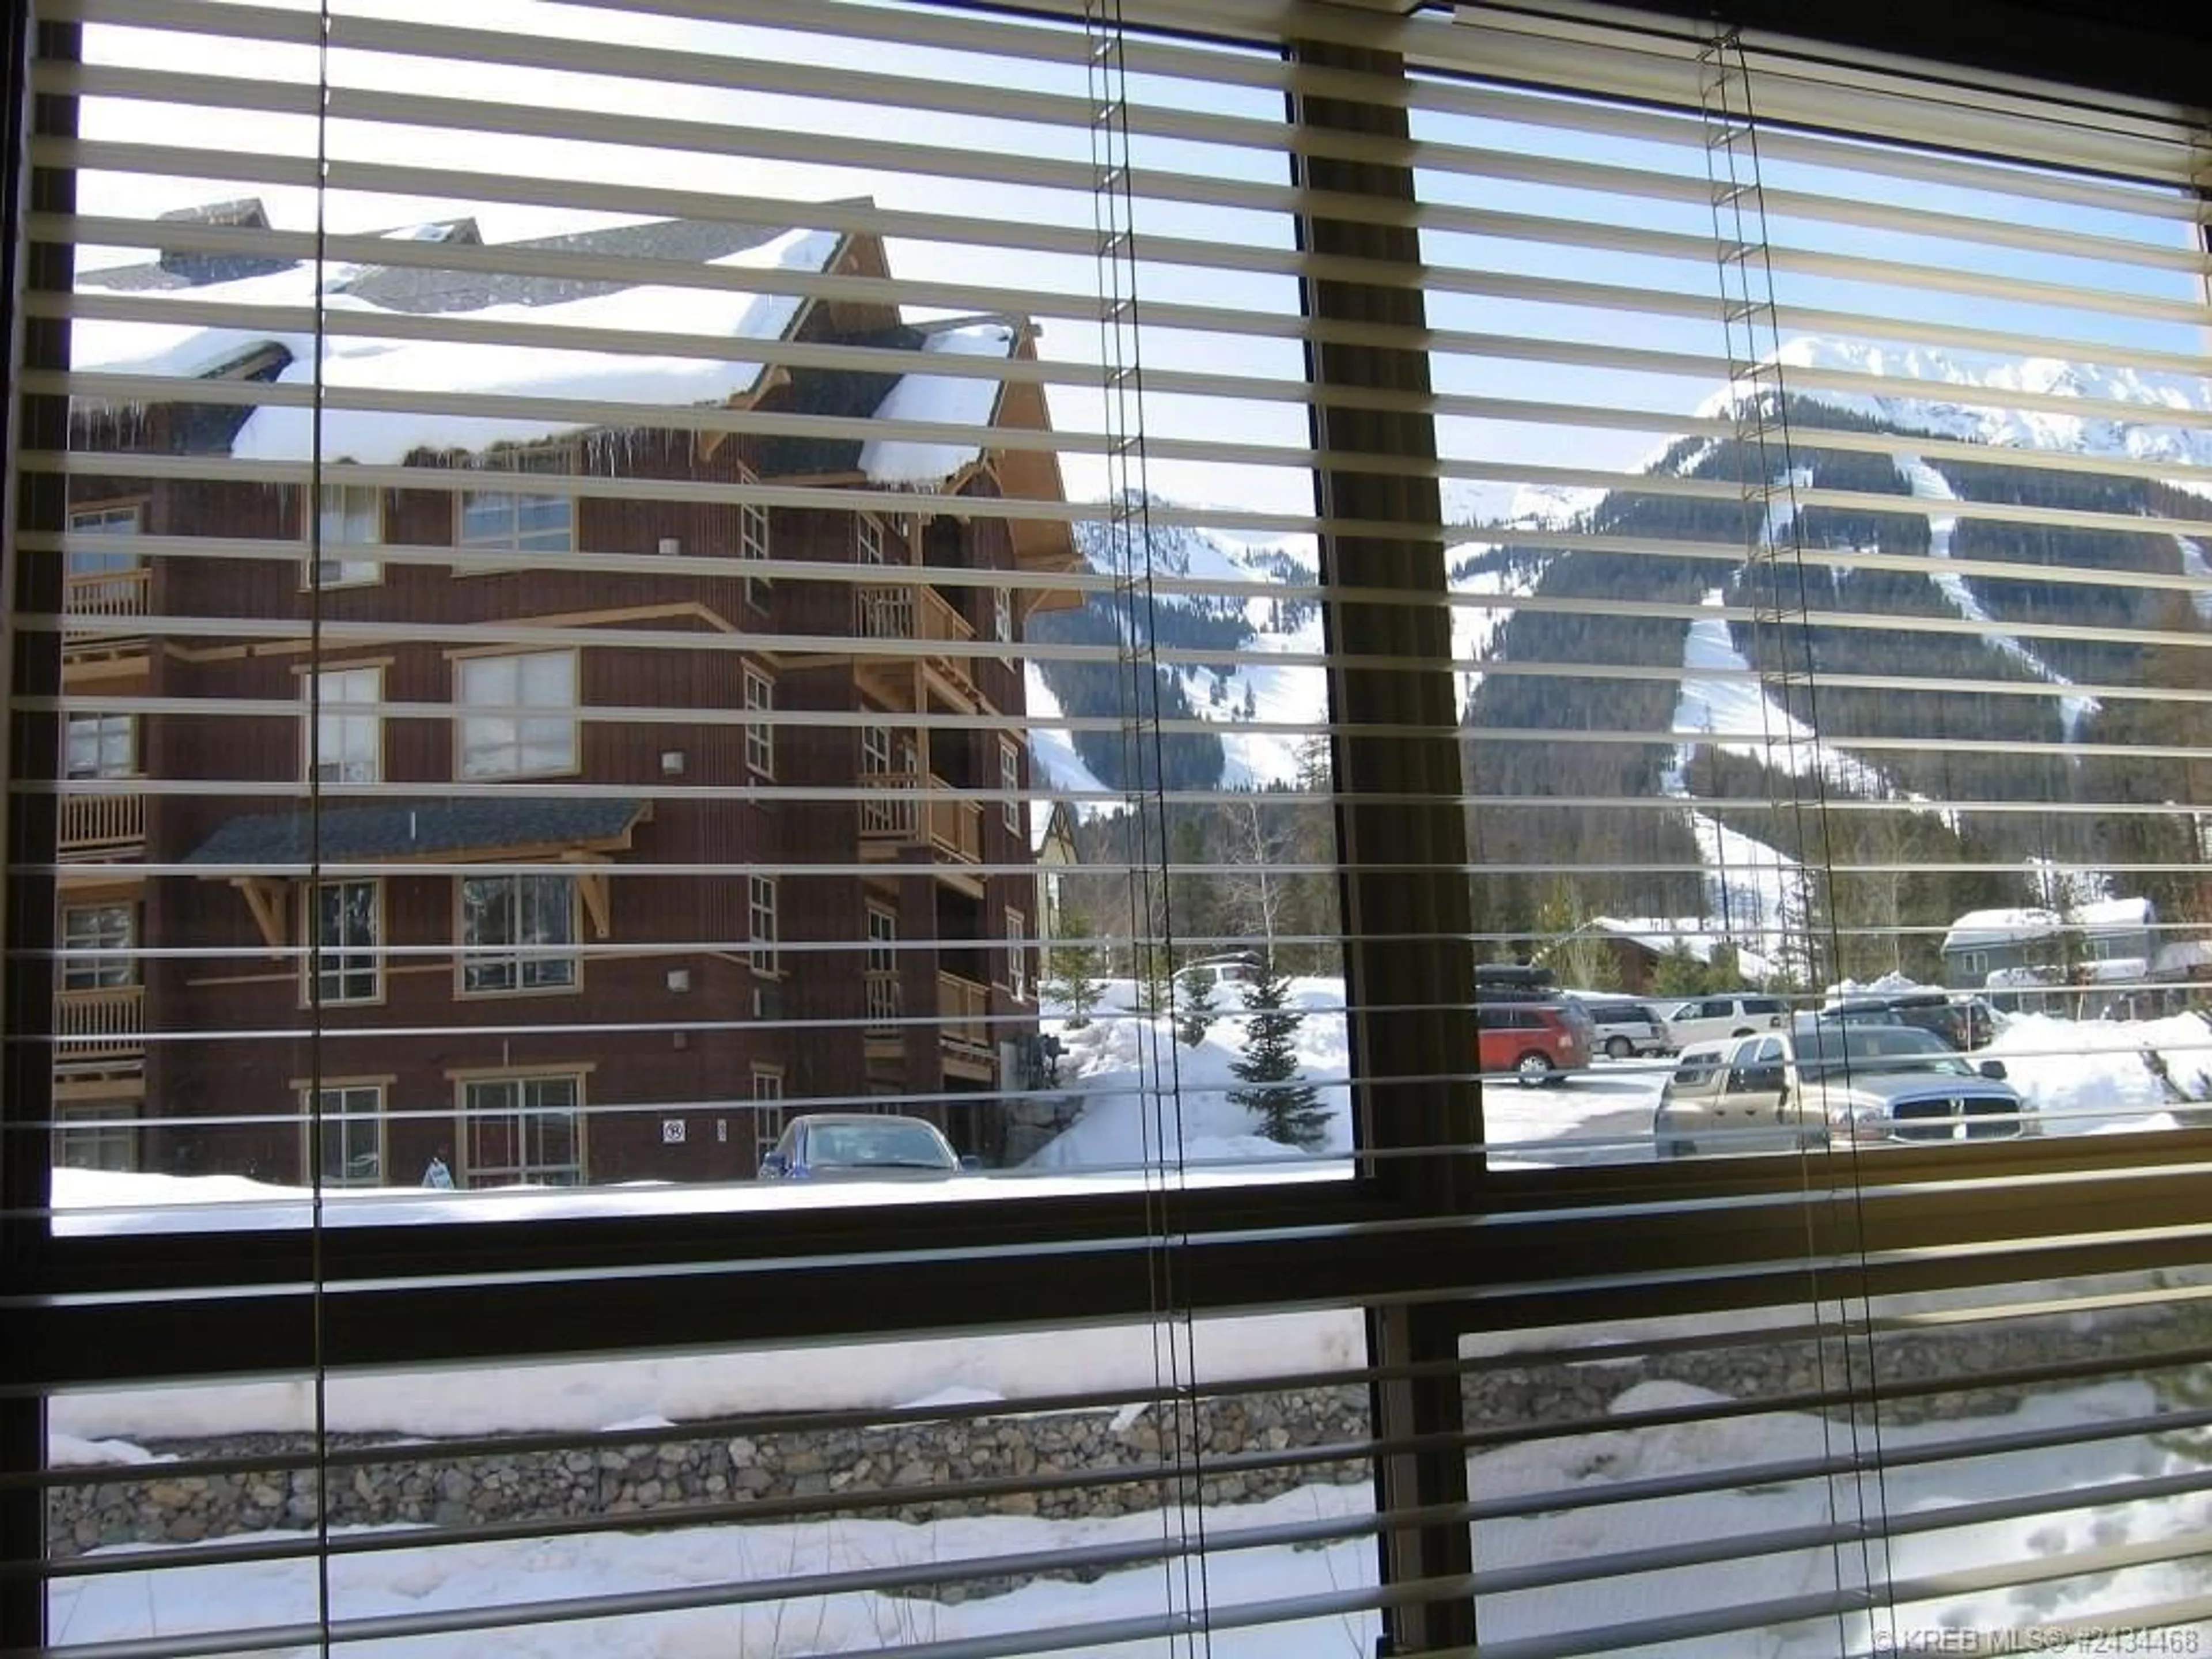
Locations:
(1194, 1013)
(1074, 960)
(1289, 1111)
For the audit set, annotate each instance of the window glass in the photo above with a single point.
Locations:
(347, 736)
(523, 1131)
(347, 516)
(348, 965)
(100, 746)
(515, 521)
(518, 932)
(351, 1145)
(519, 715)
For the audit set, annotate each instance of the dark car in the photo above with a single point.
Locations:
(860, 1146)
(1964, 1023)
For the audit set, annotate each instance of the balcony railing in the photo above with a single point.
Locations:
(954, 827)
(98, 823)
(964, 1008)
(908, 612)
(97, 596)
(104, 1022)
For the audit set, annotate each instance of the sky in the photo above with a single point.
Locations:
(1458, 259)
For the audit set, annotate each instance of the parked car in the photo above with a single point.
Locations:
(1824, 1083)
(862, 1147)
(1963, 1021)
(1230, 971)
(1537, 1043)
(1731, 1013)
(1623, 1028)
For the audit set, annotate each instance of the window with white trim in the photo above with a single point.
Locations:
(1010, 781)
(1002, 618)
(760, 727)
(348, 517)
(881, 988)
(519, 932)
(100, 745)
(868, 538)
(1017, 956)
(518, 715)
(753, 545)
(760, 912)
(100, 946)
(349, 1146)
(97, 1135)
(345, 739)
(515, 521)
(347, 957)
(523, 1132)
(767, 1110)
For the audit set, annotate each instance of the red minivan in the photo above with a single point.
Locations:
(1536, 1042)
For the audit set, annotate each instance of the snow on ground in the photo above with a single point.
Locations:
(1927, 484)
(1052, 753)
(2089, 1075)
(1722, 699)
(1750, 1522)
(1152, 1103)
(1475, 626)
(2194, 563)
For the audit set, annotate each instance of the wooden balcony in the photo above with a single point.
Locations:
(952, 828)
(103, 604)
(917, 613)
(963, 1024)
(103, 1023)
(97, 826)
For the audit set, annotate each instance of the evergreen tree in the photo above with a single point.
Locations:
(1290, 1111)
(1072, 967)
(1194, 1014)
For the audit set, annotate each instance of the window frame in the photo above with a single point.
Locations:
(522, 546)
(519, 715)
(759, 726)
(104, 723)
(469, 1173)
(318, 574)
(310, 1164)
(98, 959)
(764, 926)
(315, 978)
(318, 721)
(527, 963)
(767, 1120)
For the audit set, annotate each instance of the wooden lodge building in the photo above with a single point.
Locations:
(557, 852)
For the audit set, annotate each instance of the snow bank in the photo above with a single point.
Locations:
(2084, 1077)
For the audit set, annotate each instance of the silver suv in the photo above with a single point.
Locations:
(1622, 1028)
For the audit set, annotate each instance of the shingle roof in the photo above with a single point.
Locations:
(421, 829)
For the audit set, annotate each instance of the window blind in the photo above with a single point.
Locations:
(691, 583)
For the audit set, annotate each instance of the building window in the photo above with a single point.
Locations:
(1002, 617)
(761, 907)
(346, 741)
(516, 520)
(760, 728)
(518, 715)
(1017, 956)
(98, 944)
(101, 745)
(104, 581)
(518, 932)
(1010, 781)
(753, 544)
(868, 538)
(347, 516)
(96, 1137)
(767, 1111)
(348, 1128)
(523, 1131)
(342, 932)
(1975, 964)
(882, 974)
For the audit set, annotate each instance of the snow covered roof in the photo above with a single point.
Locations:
(1692, 935)
(965, 401)
(1979, 929)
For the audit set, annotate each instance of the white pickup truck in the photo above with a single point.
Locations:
(1821, 1083)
